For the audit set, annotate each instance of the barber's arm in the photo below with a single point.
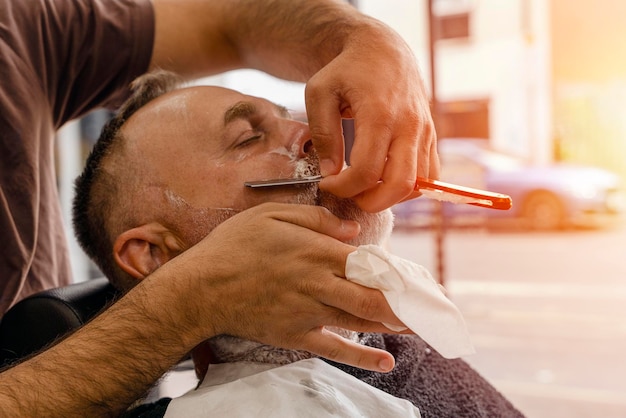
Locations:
(112, 361)
(354, 66)
(270, 274)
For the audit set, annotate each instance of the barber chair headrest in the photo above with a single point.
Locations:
(40, 319)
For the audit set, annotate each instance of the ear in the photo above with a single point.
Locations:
(140, 251)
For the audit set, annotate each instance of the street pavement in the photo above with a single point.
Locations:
(546, 311)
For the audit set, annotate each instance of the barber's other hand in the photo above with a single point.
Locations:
(376, 81)
(275, 274)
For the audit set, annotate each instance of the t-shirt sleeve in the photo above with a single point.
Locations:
(82, 54)
(59, 59)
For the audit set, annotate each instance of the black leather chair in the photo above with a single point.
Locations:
(38, 320)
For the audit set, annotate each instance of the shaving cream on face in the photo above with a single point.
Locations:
(302, 168)
(283, 151)
(307, 166)
(292, 153)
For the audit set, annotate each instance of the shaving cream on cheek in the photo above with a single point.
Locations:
(242, 156)
(283, 151)
(302, 168)
(277, 155)
(292, 153)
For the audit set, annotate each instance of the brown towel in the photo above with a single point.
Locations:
(437, 386)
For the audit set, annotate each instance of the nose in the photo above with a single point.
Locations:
(299, 136)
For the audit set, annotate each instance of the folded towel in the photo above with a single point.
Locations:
(415, 298)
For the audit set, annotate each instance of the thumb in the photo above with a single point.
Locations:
(315, 218)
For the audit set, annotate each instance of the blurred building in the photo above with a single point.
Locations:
(589, 73)
(492, 65)
(545, 80)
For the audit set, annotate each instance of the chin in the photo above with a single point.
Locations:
(375, 227)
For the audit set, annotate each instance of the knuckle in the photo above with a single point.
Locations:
(360, 362)
(322, 138)
(333, 353)
(406, 186)
(417, 118)
(312, 90)
(384, 115)
(369, 174)
(369, 306)
(323, 215)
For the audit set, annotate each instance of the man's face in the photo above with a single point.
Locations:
(196, 147)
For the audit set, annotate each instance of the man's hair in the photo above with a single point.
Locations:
(98, 191)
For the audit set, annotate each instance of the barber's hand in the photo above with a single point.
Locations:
(276, 275)
(376, 81)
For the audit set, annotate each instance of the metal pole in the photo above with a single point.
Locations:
(439, 215)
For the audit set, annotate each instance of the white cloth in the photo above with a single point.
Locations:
(306, 388)
(414, 296)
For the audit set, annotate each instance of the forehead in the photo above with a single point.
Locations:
(187, 109)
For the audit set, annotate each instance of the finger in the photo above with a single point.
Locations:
(398, 178)
(324, 118)
(367, 157)
(404, 163)
(336, 348)
(434, 167)
(396, 183)
(343, 320)
(315, 218)
(354, 304)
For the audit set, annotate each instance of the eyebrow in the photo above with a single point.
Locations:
(243, 110)
(240, 110)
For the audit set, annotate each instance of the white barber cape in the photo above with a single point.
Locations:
(306, 388)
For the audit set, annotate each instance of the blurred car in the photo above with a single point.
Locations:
(544, 197)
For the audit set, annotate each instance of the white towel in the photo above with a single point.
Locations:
(414, 296)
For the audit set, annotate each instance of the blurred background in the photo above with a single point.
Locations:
(529, 99)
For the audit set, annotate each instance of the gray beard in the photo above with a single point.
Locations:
(375, 227)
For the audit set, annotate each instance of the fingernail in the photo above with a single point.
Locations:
(350, 227)
(327, 167)
(385, 365)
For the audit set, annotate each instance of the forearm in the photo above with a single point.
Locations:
(104, 367)
(291, 39)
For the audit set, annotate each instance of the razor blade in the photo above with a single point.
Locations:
(432, 189)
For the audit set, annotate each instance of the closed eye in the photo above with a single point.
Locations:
(249, 141)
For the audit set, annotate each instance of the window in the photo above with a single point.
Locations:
(451, 19)
(454, 26)
(463, 118)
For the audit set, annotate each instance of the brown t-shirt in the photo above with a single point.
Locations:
(58, 60)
